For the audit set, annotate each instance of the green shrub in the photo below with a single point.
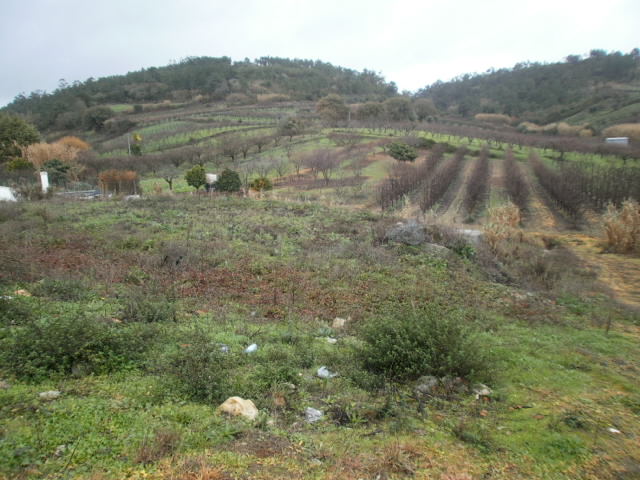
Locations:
(70, 343)
(139, 305)
(228, 181)
(402, 151)
(14, 311)
(425, 143)
(198, 368)
(408, 343)
(62, 289)
(196, 177)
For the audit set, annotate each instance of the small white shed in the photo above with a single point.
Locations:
(623, 141)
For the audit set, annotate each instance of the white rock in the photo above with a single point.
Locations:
(323, 372)
(49, 395)
(481, 390)
(339, 323)
(239, 407)
(312, 415)
(251, 348)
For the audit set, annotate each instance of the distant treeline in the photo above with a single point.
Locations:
(205, 78)
(542, 93)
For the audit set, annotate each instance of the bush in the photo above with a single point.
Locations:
(402, 151)
(198, 368)
(409, 343)
(260, 184)
(14, 311)
(622, 227)
(141, 306)
(65, 290)
(196, 177)
(228, 181)
(69, 343)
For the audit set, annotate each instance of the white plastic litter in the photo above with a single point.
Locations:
(251, 348)
(312, 415)
(323, 372)
(332, 340)
(613, 430)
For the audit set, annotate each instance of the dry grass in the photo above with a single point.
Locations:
(502, 224)
(631, 130)
(164, 443)
(622, 227)
(493, 118)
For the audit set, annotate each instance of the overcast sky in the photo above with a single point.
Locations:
(411, 42)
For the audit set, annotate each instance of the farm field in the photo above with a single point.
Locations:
(142, 313)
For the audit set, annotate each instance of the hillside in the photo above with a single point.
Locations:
(398, 299)
(202, 79)
(601, 90)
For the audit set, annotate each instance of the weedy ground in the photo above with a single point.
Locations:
(132, 302)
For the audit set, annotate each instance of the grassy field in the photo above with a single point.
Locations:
(138, 312)
(132, 300)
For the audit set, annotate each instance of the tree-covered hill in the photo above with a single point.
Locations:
(203, 79)
(602, 88)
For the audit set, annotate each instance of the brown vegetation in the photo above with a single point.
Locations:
(622, 227)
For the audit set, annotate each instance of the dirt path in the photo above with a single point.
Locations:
(451, 211)
(541, 215)
(620, 273)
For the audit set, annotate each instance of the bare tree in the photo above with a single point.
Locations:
(281, 166)
(230, 147)
(323, 161)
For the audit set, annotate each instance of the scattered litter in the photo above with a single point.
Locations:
(49, 395)
(323, 372)
(312, 415)
(613, 430)
(6, 297)
(251, 348)
(332, 340)
(225, 348)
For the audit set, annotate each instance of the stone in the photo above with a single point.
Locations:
(339, 323)
(481, 390)
(239, 407)
(437, 250)
(251, 348)
(410, 233)
(312, 415)
(474, 236)
(50, 395)
(426, 385)
(324, 372)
